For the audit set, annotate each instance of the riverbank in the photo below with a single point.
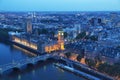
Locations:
(73, 70)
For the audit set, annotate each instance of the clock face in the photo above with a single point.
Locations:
(62, 34)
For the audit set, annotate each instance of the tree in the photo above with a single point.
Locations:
(81, 35)
(98, 60)
(65, 34)
(94, 38)
(113, 70)
(42, 31)
(79, 57)
(82, 52)
(68, 54)
(90, 62)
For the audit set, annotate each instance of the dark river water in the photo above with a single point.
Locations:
(40, 71)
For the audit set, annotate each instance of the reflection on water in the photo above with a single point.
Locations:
(33, 72)
(24, 50)
(44, 67)
(60, 69)
(19, 77)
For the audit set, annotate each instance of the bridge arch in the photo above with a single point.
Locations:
(16, 68)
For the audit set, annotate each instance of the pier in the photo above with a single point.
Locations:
(87, 76)
(85, 69)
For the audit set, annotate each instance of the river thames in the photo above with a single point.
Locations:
(40, 71)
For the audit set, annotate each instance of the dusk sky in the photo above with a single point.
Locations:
(59, 5)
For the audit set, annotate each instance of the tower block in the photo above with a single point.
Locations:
(29, 26)
(61, 40)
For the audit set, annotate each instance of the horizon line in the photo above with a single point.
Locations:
(64, 11)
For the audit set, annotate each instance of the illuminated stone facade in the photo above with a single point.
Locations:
(58, 46)
(41, 45)
(25, 42)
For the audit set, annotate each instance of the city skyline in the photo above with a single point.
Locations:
(59, 5)
(60, 44)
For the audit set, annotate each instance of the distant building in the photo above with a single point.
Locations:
(29, 26)
(78, 28)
